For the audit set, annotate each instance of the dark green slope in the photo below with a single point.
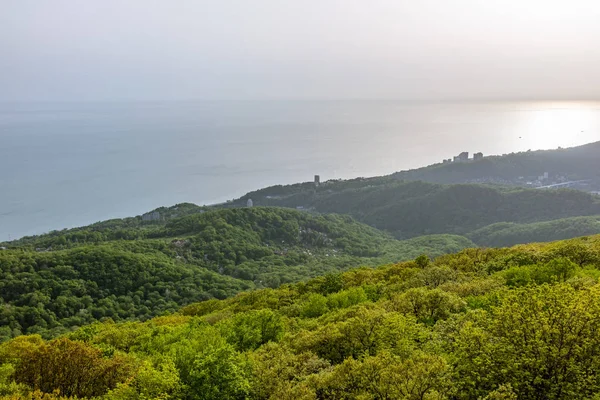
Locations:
(508, 233)
(409, 209)
(132, 269)
(509, 323)
(580, 162)
(114, 229)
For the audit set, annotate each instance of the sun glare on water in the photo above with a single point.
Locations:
(552, 125)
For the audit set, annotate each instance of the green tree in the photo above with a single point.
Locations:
(220, 374)
(315, 306)
(542, 341)
(250, 330)
(427, 305)
(73, 368)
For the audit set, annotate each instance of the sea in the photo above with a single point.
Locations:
(65, 164)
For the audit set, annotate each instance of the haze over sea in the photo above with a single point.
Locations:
(70, 164)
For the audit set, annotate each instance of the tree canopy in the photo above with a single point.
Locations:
(130, 269)
(508, 323)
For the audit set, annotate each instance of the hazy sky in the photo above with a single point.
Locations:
(239, 49)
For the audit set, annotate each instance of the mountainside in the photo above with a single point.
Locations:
(513, 323)
(576, 163)
(509, 233)
(237, 302)
(408, 209)
(131, 268)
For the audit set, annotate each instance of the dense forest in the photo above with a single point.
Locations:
(135, 269)
(408, 209)
(511, 323)
(285, 300)
(510, 233)
(574, 163)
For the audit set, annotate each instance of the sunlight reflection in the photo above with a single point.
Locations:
(548, 125)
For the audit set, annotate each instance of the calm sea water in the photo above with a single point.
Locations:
(64, 165)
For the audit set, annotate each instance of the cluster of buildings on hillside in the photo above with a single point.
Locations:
(543, 181)
(464, 157)
(530, 181)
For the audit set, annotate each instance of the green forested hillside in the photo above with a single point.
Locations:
(515, 323)
(409, 209)
(508, 233)
(131, 269)
(114, 229)
(574, 163)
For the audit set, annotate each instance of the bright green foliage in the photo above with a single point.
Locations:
(150, 383)
(219, 374)
(436, 276)
(208, 366)
(427, 305)
(315, 306)
(332, 283)
(360, 331)
(539, 340)
(555, 270)
(133, 269)
(495, 324)
(346, 298)
(252, 329)
(7, 384)
(279, 373)
(386, 376)
(74, 368)
(504, 392)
